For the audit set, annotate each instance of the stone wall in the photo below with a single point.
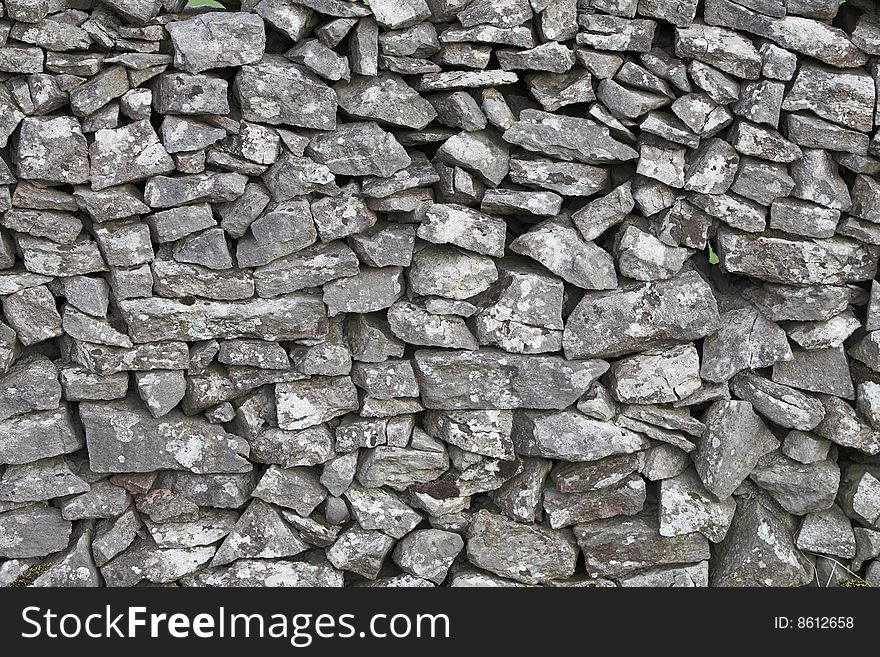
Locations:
(439, 292)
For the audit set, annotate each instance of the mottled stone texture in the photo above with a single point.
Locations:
(439, 292)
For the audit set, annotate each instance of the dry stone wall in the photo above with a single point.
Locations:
(439, 292)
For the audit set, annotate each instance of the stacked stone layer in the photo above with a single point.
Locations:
(439, 292)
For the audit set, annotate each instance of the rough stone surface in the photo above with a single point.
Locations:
(439, 293)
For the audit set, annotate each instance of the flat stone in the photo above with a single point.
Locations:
(289, 317)
(619, 546)
(302, 404)
(567, 138)
(807, 262)
(532, 554)
(571, 436)
(124, 438)
(447, 379)
(641, 316)
(359, 149)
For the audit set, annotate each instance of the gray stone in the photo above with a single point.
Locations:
(623, 545)
(798, 487)
(686, 506)
(288, 317)
(759, 549)
(379, 509)
(846, 98)
(571, 436)
(146, 444)
(531, 554)
(827, 532)
(215, 40)
(817, 370)
(428, 553)
(734, 440)
(641, 316)
(33, 531)
(360, 551)
(447, 379)
(274, 90)
(779, 403)
(302, 404)
(626, 497)
(53, 149)
(567, 138)
(560, 247)
(127, 154)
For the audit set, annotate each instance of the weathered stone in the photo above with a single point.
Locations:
(641, 316)
(734, 440)
(33, 531)
(146, 444)
(622, 545)
(759, 549)
(284, 318)
(53, 149)
(302, 404)
(560, 247)
(127, 154)
(779, 403)
(277, 91)
(799, 488)
(686, 506)
(566, 138)
(447, 379)
(531, 554)
(571, 436)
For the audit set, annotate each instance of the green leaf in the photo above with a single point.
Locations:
(713, 257)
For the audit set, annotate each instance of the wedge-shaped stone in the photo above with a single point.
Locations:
(734, 439)
(123, 437)
(559, 246)
(260, 533)
(759, 548)
(567, 138)
(289, 317)
(571, 436)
